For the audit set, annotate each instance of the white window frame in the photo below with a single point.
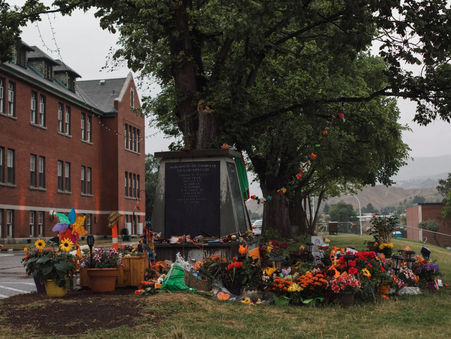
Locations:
(42, 110)
(89, 180)
(33, 171)
(132, 98)
(33, 104)
(60, 118)
(10, 164)
(41, 217)
(41, 171)
(82, 123)
(2, 95)
(32, 223)
(11, 99)
(67, 186)
(10, 224)
(89, 128)
(67, 121)
(83, 179)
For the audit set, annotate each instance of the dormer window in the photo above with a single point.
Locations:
(48, 71)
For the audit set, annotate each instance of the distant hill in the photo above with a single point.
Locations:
(423, 172)
(381, 196)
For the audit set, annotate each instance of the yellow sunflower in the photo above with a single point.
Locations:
(66, 245)
(366, 273)
(40, 244)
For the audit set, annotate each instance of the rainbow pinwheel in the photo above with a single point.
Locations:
(70, 227)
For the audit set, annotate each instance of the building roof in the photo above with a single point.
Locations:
(37, 53)
(62, 67)
(102, 92)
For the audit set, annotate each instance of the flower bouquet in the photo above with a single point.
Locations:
(345, 283)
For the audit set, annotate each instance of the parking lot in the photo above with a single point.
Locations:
(13, 279)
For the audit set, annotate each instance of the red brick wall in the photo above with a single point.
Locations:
(428, 212)
(107, 159)
(412, 220)
(128, 161)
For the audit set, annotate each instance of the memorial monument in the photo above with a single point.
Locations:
(199, 193)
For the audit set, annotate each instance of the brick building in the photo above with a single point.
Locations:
(423, 212)
(66, 143)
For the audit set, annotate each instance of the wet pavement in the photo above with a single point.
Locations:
(13, 279)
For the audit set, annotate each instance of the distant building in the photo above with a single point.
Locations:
(428, 211)
(67, 143)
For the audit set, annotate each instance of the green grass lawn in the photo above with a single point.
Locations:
(190, 315)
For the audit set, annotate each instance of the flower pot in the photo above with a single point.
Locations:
(53, 290)
(347, 298)
(40, 286)
(132, 271)
(102, 279)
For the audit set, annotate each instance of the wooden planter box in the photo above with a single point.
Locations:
(133, 271)
(131, 274)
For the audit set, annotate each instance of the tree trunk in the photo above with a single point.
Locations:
(276, 213)
(184, 72)
(297, 214)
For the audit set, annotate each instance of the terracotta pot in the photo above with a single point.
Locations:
(53, 290)
(102, 279)
(347, 299)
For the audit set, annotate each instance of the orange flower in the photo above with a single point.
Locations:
(242, 250)
(383, 296)
(137, 292)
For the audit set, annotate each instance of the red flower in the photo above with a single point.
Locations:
(229, 266)
(353, 270)
(352, 263)
(382, 268)
(238, 264)
(275, 243)
(284, 245)
(234, 258)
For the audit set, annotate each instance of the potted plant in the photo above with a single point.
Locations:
(52, 266)
(346, 286)
(102, 268)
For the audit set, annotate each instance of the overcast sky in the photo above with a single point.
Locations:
(84, 46)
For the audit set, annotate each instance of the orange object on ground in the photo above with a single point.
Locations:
(255, 254)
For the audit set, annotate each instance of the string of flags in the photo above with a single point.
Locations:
(305, 166)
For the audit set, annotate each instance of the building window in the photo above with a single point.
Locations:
(137, 183)
(132, 98)
(32, 223)
(33, 115)
(10, 164)
(83, 133)
(42, 110)
(11, 98)
(126, 184)
(41, 169)
(89, 180)
(89, 128)
(33, 170)
(10, 223)
(1, 223)
(2, 164)
(137, 141)
(134, 186)
(67, 120)
(83, 182)
(130, 185)
(130, 137)
(88, 223)
(126, 136)
(60, 117)
(67, 177)
(134, 139)
(41, 223)
(2, 95)
(60, 175)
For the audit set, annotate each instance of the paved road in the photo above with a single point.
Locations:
(13, 279)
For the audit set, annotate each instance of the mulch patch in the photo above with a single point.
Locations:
(75, 313)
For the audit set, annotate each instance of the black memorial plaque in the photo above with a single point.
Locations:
(192, 198)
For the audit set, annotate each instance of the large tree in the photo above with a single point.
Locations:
(227, 69)
(207, 54)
